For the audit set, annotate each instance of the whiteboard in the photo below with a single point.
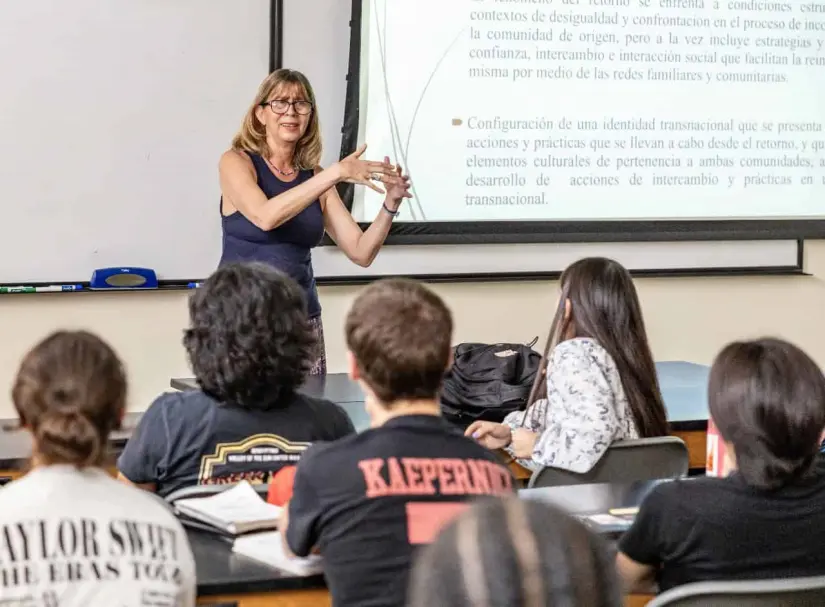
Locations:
(113, 116)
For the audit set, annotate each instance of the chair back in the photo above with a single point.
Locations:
(788, 592)
(627, 461)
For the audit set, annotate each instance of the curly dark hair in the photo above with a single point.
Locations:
(250, 342)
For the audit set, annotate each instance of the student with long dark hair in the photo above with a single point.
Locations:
(767, 518)
(518, 553)
(597, 381)
(73, 535)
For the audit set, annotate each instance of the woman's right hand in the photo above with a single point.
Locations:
(490, 434)
(353, 169)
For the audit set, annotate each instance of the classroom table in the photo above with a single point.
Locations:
(683, 385)
(227, 577)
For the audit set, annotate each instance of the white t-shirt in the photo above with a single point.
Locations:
(72, 538)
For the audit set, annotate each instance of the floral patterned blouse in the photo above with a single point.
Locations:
(585, 411)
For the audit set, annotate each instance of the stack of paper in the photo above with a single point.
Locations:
(235, 511)
(267, 547)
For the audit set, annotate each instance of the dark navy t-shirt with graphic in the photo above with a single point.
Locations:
(367, 501)
(188, 438)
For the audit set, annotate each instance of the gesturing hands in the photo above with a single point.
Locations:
(398, 187)
(355, 170)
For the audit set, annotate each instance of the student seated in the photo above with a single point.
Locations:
(597, 386)
(366, 500)
(250, 344)
(72, 535)
(765, 520)
(514, 553)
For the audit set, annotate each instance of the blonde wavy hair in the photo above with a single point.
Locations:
(252, 135)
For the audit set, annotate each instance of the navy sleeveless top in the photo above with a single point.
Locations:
(287, 247)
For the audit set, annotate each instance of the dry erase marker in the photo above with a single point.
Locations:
(193, 285)
(45, 289)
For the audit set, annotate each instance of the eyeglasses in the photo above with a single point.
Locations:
(281, 106)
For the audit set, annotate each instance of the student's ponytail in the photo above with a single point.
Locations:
(70, 393)
(68, 437)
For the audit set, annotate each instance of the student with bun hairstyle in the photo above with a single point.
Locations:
(518, 553)
(597, 382)
(766, 519)
(74, 536)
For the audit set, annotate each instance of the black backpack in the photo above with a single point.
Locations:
(488, 381)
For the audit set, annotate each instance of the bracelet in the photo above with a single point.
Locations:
(387, 209)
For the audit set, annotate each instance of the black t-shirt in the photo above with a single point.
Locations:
(710, 529)
(188, 438)
(367, 500)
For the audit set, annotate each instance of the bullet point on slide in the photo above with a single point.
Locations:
(457, 122)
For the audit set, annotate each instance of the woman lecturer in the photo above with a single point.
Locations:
(277, 202)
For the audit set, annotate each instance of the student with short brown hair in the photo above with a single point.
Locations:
(74, 536)
(765, 520)
(366, 501)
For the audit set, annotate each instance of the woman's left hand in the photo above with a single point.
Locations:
(523, 443)
(397, 187)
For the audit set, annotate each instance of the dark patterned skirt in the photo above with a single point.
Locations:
(319, 361)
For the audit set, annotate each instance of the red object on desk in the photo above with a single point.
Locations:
(280, 487)
(717, 462)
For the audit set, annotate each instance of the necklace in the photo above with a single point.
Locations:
(277, 170)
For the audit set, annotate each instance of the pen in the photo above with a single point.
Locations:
(45, 289)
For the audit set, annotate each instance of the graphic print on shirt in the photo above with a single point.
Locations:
(410, 476)
(67, 556)
(254, 459)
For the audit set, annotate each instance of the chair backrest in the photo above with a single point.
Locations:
(788, 592)
(627, 461)
(208, 490)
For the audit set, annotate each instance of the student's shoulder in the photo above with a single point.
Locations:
(688, 493)
(331, 417)
(319, 406)
(191, 402)
(578, 347)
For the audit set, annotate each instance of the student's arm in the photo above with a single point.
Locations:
(635, 577)
(240, 187)
(642, 548)
(146, 452)
(301, 516)
(579, 415)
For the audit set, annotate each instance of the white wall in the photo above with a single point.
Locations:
(687, 319)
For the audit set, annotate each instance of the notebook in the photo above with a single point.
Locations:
(268, 547)
(235, 511)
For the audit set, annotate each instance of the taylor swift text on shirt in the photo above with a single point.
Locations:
(63, 551)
